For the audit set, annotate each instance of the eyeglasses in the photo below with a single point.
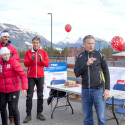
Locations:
(88, 37)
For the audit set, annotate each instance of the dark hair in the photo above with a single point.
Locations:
(36, 38)
(88, 37)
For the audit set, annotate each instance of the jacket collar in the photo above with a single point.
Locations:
(32, 50)
(90, 53)
(8, 43)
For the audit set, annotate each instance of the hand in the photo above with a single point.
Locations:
(90, 61)
(33, 57)
(40, 57)
(24, 91)
(106, 94)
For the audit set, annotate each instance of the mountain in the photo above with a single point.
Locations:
(67, 42)
(99, 43)
(19, 35)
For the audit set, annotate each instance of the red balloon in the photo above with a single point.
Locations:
(68, 28)
(117, 43)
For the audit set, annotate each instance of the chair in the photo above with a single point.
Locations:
(121, 110)
(57, 82)
(116, 102)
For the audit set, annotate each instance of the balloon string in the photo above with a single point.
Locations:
(67, 37)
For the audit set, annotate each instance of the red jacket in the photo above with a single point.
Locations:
(36, 67)
(13, 51)
(10, 74)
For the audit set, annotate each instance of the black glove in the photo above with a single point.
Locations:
(33, 57)
(40, 57)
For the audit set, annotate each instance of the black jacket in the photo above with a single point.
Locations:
(92, 75)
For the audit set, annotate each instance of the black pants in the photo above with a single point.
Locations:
(14, 97)
(39, 84)
(10, 108)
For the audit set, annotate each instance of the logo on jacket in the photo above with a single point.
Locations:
(80, 55)
(8, 65)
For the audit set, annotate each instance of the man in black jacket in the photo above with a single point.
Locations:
(91, 64)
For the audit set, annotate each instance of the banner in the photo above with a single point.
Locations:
(56, 70)
(117, 75)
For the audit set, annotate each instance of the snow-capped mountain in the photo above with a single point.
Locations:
(99, 43)
(19, 35)
(67, 42)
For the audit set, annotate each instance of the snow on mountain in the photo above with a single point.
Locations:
(19, 35)
(99, 43)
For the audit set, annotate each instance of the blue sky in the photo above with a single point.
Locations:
(101, 18)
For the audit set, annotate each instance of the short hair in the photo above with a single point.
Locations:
(36, 38)
(88, 37)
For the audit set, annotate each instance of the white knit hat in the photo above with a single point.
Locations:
(4, 33)
(4, 50)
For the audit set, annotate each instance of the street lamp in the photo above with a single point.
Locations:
(109, 50)
(99, 42)
(51, 32)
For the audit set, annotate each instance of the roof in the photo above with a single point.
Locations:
(119, 54)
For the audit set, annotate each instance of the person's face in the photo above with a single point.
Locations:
(5, 39)
(36, 44)
(6, 56)
(89, 44)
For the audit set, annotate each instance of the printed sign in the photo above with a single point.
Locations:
(56, 70)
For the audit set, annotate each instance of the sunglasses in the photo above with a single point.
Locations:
(36, 37)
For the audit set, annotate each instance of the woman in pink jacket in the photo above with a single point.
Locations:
(10, 74)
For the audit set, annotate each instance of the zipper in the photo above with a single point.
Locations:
(36, 64)
(4, 78)
(88, 74)
(100, 76)
(29, 70)
(13, 83)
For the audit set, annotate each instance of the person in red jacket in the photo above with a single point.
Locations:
(35, 59)
(5, 42)
(10, 74)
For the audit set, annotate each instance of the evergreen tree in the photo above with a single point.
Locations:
(107, 51)
(65, 51)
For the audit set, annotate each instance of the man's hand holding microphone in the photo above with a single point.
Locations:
(90, 61)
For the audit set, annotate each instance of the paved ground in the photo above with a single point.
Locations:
(61, 117)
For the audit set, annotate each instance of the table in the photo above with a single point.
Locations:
(77, 90)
